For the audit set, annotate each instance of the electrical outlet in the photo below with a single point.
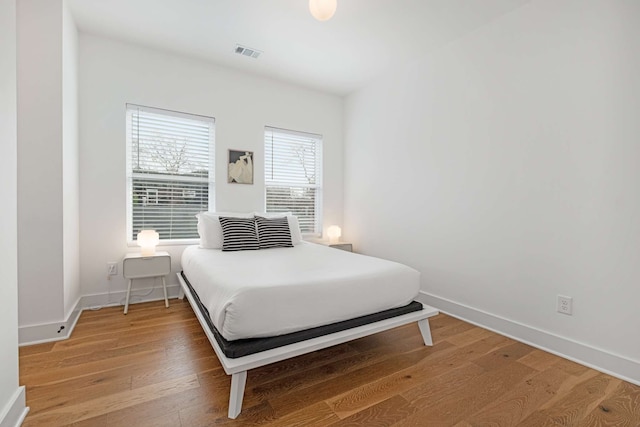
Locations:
(112, 268)
(565, 305)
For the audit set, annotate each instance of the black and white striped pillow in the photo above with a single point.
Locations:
(273, 232)
(239, 234)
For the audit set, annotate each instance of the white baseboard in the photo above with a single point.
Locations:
(118, 298)
(615, 365)
(15, 410)
(57, 331)
(46, 332)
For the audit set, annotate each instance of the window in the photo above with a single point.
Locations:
(293, 181)
(170, 176)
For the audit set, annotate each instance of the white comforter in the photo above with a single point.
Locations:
(271, 292)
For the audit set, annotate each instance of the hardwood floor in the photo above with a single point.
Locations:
(155, 367)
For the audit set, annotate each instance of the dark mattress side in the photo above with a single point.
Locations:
(245, 347)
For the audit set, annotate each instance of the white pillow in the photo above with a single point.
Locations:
(294, 225)
(210, 230)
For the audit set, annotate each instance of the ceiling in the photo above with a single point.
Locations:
(362, 40)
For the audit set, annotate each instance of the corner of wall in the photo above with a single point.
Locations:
(70, 153)
(54, 331)
(15, 411)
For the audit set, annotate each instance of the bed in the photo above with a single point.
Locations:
(264, 306)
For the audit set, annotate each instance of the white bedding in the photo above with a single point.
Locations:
(270, 292)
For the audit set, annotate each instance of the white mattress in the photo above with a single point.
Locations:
(251, 294)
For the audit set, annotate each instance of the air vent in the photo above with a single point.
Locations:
(247, 51)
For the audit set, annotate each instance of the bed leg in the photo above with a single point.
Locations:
(181, 293)
(425, 331)
(238, 381)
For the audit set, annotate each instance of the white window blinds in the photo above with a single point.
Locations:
(170, 176)
(293, 181)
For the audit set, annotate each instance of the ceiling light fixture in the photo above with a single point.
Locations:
(323, 10)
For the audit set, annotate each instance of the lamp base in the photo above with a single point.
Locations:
(148, 251)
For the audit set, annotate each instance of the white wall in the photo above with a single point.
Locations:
(47, 163)
(11, 402)
(505, 168)
(40, 209)
(70, 170)
(113, 74)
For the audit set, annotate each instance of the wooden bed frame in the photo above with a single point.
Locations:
(238, 367)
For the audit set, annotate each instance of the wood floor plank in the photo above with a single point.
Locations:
(310, 385)
(451, 330)
(109, 327)
(308, 378)
(171, 419)
(621, 409)
(520, 401)
(318, 415)
(205, 415)
(276, 371)
(478, 391)
(175, 370)
(53, 358)
(459, 359)
(305, 381)
(428, 393)
(132, 335)
(538, 360)
(67, 348)
(103, 405)
(163, 406)
(292, 401)
(570, 367)
(99, 421)
(46, 389)
(505, 354)
(78, 395)
(469, 336)
(109, 353)
(60, 374)
(441, 320)
(29, 350)
(538, 419)
(574, 406)
(385, 413)
(567, 387)
(155, 367)
(177, 334)
(430, 366)
(374, 392)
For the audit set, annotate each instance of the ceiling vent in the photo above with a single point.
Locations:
(247, 51)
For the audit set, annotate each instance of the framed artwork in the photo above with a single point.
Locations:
(240, 168)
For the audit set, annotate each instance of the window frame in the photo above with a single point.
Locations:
(318, 186)
(129, 174)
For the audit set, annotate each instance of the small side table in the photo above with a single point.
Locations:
(344, 246)
(135, 266)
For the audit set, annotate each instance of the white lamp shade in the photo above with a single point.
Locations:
(148, 240)
(323, 10)
(334, 232)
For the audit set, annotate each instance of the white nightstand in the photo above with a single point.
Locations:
(135, 266)
(344, 246)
